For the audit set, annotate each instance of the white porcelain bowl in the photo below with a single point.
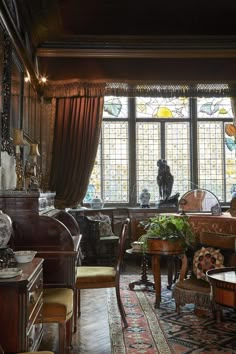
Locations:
(24, 256)
(137, 246)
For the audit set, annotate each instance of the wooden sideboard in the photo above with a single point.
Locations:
(21, 300)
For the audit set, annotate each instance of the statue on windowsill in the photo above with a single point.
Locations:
(165, 181)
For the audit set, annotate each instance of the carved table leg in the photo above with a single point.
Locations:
(157, 278)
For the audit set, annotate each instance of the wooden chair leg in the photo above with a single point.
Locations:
(78, 301)
(69, 327)
(121, 308)
(62, 337)
(75, 309)
(177, 307)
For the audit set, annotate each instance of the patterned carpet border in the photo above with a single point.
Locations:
(144, 334)
(163, 330)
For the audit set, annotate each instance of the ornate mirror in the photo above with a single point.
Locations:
(199, 201)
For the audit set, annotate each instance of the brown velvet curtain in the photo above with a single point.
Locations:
(76, 135)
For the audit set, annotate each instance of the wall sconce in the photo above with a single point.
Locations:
(18, 141)
(32, 169)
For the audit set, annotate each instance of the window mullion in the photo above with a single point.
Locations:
(193, 143)
(132, 153)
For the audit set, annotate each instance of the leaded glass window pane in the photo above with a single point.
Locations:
(150, 107)
(115, 107)
(230, 165)
(148, 151)
(211, 157)
(94, 187)
(214, 107)
(177, 147)
(115, 162)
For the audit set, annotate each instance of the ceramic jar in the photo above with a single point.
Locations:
(97, 203)
(144, 198)
(5, 229)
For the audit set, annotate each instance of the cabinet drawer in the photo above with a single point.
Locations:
(35, 293)
(34, 336)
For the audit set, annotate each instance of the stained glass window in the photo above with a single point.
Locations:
(162, 107)
(136, 132)
(148, 151)
(214, 107)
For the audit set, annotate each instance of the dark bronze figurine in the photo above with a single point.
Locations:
(165, 180)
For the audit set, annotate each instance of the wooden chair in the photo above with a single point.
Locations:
(58, 308)
(192, 286)
(95, 277)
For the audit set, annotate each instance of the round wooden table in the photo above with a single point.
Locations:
(223, 283)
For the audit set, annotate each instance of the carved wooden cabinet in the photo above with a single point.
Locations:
(21, 300)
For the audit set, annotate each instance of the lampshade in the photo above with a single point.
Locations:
(18, 137)
(34, 151)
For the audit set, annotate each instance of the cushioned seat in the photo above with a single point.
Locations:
(192, 291)
(95, 277)
(40, 352)
(58, 308)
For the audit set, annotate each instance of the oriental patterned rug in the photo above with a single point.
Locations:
(163, 330)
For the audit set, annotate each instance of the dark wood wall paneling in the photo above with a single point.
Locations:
(174, 70)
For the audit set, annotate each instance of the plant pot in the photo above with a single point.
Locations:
(165, 247)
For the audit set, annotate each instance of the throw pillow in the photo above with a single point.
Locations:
(206, 258)
(105, 228)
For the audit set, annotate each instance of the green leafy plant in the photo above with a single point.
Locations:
(168, 227)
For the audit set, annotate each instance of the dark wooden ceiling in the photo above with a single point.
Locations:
(58, 20)
(125, 29)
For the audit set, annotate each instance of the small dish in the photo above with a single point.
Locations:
(137, 246)
(10, 272)
(24, 256)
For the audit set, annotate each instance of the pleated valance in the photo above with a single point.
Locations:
(75, 88)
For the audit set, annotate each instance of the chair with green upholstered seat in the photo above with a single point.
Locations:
(96, 277)
(58, 308)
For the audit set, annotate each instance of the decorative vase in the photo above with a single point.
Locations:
(144, 198)
(97, 203)
(5, 229)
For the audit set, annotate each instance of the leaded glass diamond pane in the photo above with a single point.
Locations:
(95, 179)
(150, 107)
(115, 107)
(177, 146)
(115, 162)
(230, 165)
(214, 107)
(148, 151)
(211, 157)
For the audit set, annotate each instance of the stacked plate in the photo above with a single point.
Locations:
(10, 272)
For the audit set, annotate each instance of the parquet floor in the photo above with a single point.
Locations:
(92, 335)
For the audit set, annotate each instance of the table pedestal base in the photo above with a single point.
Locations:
(144, 277)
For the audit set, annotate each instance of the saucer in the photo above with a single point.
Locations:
(10, 272)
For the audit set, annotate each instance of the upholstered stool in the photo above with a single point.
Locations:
(192, 291)
(58, 308)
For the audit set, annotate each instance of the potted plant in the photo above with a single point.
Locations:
(167, 233)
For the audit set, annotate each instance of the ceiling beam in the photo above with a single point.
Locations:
(134, 53)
